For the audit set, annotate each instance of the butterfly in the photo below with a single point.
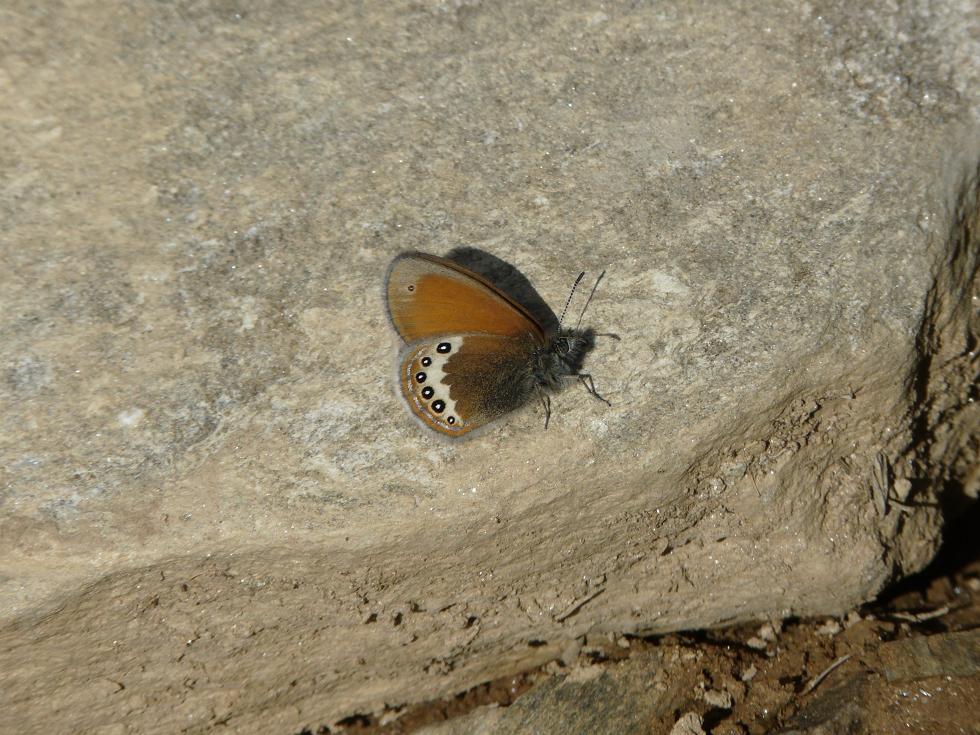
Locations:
(472, 353)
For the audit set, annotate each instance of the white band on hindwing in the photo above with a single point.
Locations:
(435, 377)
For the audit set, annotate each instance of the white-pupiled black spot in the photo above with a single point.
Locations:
(427, 392)
(426, 361)
(438, 406)
(420, 377)
(443, 347)
(451, 420)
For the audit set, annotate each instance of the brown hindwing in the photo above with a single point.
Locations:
(455, 384)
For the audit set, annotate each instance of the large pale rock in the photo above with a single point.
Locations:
(213, 508)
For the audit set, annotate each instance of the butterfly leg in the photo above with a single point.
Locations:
(589, 384)
(546, 402)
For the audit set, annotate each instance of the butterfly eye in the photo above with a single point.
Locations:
(561, 346)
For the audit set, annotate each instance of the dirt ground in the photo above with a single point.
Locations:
(863, 673)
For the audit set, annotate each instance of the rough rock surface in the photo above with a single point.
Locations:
(213, 510)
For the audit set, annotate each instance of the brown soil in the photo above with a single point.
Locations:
(773, 671)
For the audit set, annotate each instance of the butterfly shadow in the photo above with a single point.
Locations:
(509, 280)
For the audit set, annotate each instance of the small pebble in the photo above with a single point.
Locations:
(768, 632)
(718, 698)
(689, 724)
(831, 627)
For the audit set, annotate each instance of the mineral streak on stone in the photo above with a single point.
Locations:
(212, 506)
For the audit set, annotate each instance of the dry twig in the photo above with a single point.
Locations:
(815, 681)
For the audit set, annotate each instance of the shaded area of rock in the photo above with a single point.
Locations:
(622, 699)
(947, 654)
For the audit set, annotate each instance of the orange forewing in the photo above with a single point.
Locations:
(429, 296)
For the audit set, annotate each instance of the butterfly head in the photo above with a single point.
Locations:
(562, 356)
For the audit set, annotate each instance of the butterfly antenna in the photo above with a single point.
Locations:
(569, 299)
(589, 300)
